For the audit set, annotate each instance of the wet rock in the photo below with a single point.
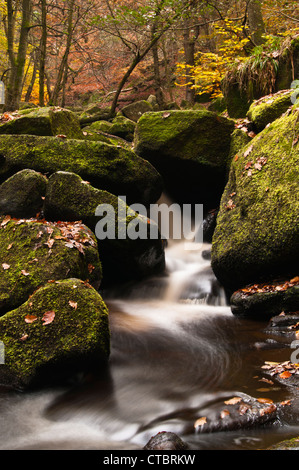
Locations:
(21, 195)
(264, 305)
(166, 441)
(61, 330)
(111, 168)
(239, 412)
(34, 252)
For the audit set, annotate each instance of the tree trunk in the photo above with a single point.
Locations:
(17, 63)
(157, 76)
(43, 49)
(256, 22)
(64, 61)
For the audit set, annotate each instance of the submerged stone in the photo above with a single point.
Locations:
(48, 121)
(61, 330)
(257, 233)
(108, 167)
(33, 252)
(189, 149)
(21, 194)
(70, 198)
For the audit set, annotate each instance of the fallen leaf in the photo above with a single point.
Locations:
(166, 115)
(24, 272)
(265, 400)
(224, 413)
(48, 317)
(200, 422)
(5, 221)
(30, 318)
(73, 304)
(24, 337)
(61, 136)
(248, 151)
(295, 279)
(268, 410)
(285, 375)
(5, 266)
(236, 158)
(9, 246)
(233, 401)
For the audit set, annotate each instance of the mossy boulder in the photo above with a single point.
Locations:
(70, 198)
(269, 108)
(48, 121)
(134, 111)
(108, 167)
(94, 112)
(33, 252)
(189, 149)
(21, 194)
(120, 126)
(62, 329)
(257, 233)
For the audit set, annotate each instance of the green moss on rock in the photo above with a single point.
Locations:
(189, 148)
(21, 195)
(257, 235)
(33, 252)
(68, 197)
(49, 121)
(115, 169)
(76, 338)
(269, 108)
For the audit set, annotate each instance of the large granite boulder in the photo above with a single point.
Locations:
(189, 149)
(48, 121)
(70, 198)
(61, 330)
(22, 194)
(257, 233)
(33, 252)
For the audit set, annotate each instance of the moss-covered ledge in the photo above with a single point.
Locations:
(108, 167)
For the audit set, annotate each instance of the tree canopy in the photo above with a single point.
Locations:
(69, 52)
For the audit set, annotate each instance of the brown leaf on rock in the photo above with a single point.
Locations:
(5, 266)
(73, 304)
(30, 318)
(233, 401)
(285, 375)
(48, 317)
(25, 273)
(5, 221)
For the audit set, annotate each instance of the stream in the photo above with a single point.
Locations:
(176, 352)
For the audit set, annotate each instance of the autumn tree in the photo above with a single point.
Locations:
(17, 55)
